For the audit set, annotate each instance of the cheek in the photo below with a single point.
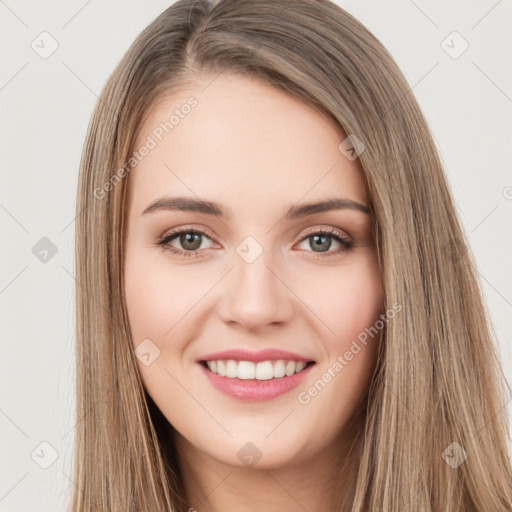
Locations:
(156, 298)
(351, 309)
(349, 300)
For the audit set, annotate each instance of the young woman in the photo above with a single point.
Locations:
(277, 308)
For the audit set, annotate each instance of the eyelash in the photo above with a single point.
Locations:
(164, 241)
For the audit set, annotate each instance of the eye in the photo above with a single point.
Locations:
(321, 239)
(190, 240)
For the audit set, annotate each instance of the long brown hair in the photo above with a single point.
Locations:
(437, 381)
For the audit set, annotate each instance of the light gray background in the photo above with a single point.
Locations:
(46, 105)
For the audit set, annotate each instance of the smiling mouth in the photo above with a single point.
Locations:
(249, 370)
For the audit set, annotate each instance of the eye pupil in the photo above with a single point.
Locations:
(319, 240)
(190, 241)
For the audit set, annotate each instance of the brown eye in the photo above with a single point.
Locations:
(190, 241)
(320, 241)
(184, 242)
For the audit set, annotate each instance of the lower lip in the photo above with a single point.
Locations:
(256, 390)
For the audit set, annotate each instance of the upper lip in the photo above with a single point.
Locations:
(268, 354)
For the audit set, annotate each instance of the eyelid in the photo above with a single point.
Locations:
(189, 227)
(329, 229)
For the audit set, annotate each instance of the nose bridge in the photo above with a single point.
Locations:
(256, 296)
(254, 278)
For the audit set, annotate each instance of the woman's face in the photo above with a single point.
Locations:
(256, 274)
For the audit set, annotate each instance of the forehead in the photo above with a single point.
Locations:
(236, 139)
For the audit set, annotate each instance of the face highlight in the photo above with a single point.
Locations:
(223, 254)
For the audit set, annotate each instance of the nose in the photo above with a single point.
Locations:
(255, 296)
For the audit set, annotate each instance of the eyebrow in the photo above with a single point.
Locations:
(190, 204)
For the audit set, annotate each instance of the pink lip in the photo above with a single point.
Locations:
(268, 354)
(255, 390)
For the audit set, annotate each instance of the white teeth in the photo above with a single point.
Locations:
(221, 368)
(231, 369)
(279, 370)
(290, 368)
(247, 370)
(264, 370)
(300, 366)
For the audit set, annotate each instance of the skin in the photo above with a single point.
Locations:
(257, 151)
